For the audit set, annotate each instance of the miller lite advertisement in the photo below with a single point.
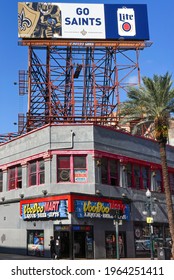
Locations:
(126, 22)
(40, 20)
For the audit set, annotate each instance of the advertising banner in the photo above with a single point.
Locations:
(38, 20)
(102, 209)
(50, 209)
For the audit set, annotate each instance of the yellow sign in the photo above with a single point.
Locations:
(149, 220)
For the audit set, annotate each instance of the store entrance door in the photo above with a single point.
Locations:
(64, 237)
(83, 242)
(79, 244)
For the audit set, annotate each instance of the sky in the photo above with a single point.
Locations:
(157, 59)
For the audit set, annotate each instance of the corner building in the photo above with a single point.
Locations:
(63, 180)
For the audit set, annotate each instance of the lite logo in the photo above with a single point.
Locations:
(126, 22)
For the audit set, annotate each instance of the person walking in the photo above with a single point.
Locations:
(52, 248)
(57, 248)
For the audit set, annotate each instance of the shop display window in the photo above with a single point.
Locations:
(160, 238)
(110, 244)
(35, 243)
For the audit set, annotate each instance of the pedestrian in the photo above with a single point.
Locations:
(52, 248)
(57, 248)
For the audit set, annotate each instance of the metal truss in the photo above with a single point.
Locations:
(77, 82)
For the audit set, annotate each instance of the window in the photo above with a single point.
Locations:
(80, 169)
(104, 170)
(171, 180)
(15, 178)
(109, 171)
(64, 169)
(36, 172)
(145, 177)
(128, 170)
(156, 181)
(71, 168)
(1, 180)
(137, 176)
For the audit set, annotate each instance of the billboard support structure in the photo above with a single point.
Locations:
(79, 82)
(79, 68)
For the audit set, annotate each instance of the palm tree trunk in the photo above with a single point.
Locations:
(169, 205)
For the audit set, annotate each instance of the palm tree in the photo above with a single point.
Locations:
(152, 103)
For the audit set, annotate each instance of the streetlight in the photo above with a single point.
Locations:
(150, 211)
(117, 214)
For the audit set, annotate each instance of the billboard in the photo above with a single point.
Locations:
(38, 20)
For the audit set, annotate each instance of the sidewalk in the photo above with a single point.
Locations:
(4, 256)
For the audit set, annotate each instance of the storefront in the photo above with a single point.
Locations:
(76, 241)
(75, 221)
(160, 238)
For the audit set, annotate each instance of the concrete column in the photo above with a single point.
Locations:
(5, 180)
(48, 168)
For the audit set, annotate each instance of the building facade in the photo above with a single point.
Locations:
(65, 180)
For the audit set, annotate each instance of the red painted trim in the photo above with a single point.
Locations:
(71, 152)
(93, 198)
(100, 154)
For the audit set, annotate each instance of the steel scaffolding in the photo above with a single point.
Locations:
(77, 82)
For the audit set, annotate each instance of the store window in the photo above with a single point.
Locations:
(71, 168)
(36, 171)
(35, 243)
(1, 180)
(161, 237)
(15, 177)
(109, 171)
(111, 244)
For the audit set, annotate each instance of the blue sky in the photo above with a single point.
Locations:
(157, 59)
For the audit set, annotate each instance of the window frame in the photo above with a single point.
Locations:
(131, 178)
(106, 176)
(15, 182)
(37, 173)
(72, 177)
